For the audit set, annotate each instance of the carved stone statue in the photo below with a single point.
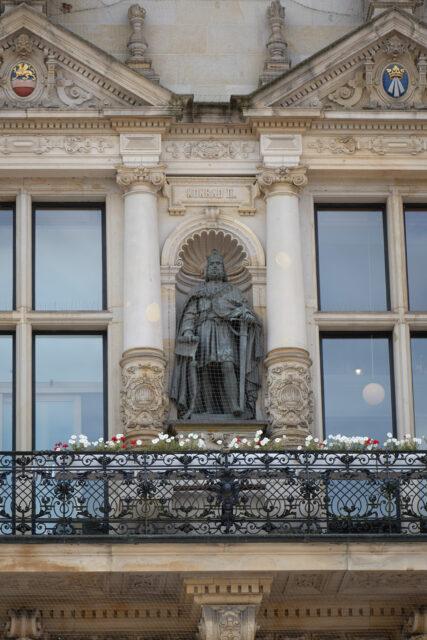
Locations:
(218, 349)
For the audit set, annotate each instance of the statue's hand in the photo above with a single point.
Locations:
(187, 336)
(244, 314)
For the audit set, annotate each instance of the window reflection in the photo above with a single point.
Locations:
(419, 383)
(68, 259)
(69, 385)
(357, 398)
(6, 381)
(416, 258)
(351, 259)
(6, 259)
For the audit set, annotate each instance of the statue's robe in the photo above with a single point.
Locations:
(207, 314)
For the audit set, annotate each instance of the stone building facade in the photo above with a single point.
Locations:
(192, 125)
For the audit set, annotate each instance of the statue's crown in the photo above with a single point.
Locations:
(215, 254)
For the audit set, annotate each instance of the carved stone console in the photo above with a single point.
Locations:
(222, 622)
(24, 624)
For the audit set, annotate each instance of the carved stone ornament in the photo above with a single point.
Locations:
(23, 45)
(153, 178)
(24, 624)
(137, 45)
(221, 622)
(277, 61)
(289, 399)
(343, 145)
(292, 177)
(144, 403)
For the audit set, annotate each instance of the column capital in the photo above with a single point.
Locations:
(281, 180)
(151, 179)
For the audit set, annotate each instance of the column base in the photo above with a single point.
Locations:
(289, 396)
(143, 402)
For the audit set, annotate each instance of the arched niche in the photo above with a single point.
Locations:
(183, 263)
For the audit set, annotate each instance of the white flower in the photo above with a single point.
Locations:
(219, 441)
(389, 435)
(139, 442)
(181, 443)
(277, 439)
(119, 435)
(265, 441)
(259, 432)
(155, 441)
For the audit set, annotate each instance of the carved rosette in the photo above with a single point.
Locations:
(222, 622)
(152, 178)
(143, 401)
(278, 179)
(289, 396)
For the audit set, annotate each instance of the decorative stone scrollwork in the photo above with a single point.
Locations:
(24, 624)
(289, 396)
(350, 93)
(152, 177)
(293, 177)
(144, 403)
(221, 622)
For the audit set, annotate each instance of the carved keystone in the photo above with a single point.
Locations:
(219, 622)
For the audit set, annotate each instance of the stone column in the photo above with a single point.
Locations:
(289, 401)
(416, 625)
(144, 403)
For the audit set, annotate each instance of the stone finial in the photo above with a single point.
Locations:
(24, 624)
(137, 45)
(374, 7)
(9, 5)
(277, 61)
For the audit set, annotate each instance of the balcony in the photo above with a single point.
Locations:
(233, 495)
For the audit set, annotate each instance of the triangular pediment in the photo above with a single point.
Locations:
(381, 65)
(58, 69)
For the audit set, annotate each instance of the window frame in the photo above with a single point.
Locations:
(105, 370)
(12, 334)
(359, 335)
(69, 205)
(418, 206)
(3, 207)
(353, 207)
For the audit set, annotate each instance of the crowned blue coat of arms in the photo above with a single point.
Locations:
(395, 80)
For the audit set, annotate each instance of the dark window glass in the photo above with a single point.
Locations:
(69, 388)
(6, 259)
(419, 382)
(68, 259)
(416, 258)
(6, 388)
(357, 394)
(351, 260)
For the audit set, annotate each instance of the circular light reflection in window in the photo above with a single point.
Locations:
(373, 393)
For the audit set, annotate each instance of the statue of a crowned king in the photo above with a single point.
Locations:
(219, 345)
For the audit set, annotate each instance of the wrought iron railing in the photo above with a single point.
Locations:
(195, 495)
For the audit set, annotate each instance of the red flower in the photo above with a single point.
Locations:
(122, 439)
(368, 441)
(114, 439)
(238, 440)
(320, 444)
(376, 442)
(133, 442)
(65, 446)
(124, 447)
